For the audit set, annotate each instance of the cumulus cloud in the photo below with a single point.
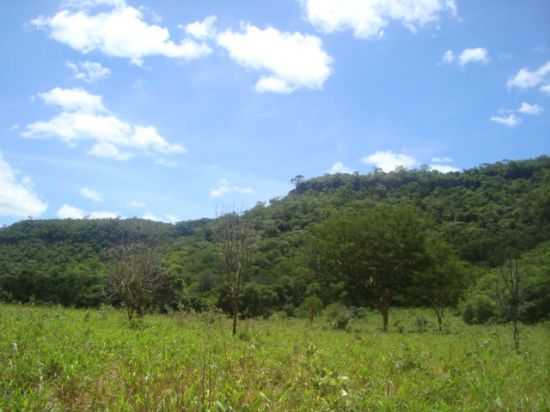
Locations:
(339, 167)
(389, 161)
(224, 188)
(510, 120)
(533, 109)
(368, 18)
(73, 100)
(17, 198)
(164, 218)
(89, 72)
(527, 79)
(84, 117)
(442, 168)
(71, 212)
(467, 56)
(289, 61)
(121, 31)
(202, 30)
(91, 194)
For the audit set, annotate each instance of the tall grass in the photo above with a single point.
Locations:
(54, 359)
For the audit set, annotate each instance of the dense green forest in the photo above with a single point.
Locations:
(463, 229)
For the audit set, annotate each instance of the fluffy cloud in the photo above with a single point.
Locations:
(71, 212)
(441, 168)
(389, 161)
(202, 30)
(224, 187)
(16, 196)
(368, 18)
(120, 31)
(476, 55)
(73, 100)
(84, 117)
(510, 120)
(289, 60)
(88, 72)
(91, 194)
(526, 79)
(527, 108)
(339, 167)
(163, 218)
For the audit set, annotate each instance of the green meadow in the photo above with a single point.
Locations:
(57, 359)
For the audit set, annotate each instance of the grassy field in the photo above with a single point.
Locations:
(54, 359)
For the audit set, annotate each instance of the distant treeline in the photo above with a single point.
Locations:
(484, 217)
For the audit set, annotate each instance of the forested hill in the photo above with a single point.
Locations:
(487, 214)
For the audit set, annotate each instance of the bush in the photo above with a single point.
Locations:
(479, 309)
(338, 316)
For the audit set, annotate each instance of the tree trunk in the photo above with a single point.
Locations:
(236, 296)
(439, 316)
(516, 335)
(385, 317)
(384, 308)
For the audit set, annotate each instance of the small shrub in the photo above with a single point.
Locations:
(338, 316)
(479, 309)
(421, 324)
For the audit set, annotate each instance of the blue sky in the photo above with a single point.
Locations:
(179, 109)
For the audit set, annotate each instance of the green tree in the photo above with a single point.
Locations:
(442, 282)
(375, 252)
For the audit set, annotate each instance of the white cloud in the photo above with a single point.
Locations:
(73, 100)
(368, 18)
(527, 108)
(202, 30)
(274, 85)
(120, 31)
(289, 60)
(109, 151)
(91, 194)
(511, 120)
(71, 212)
(16, 196)
(88, 72)
(389, 161)
(442, 168)
(526, 79)
(84, 117)
(477, 55)
(224, 187)
(103, 215)
(339, 167)
(545, 88)
(467, 56)
(448, 57)
(164, 218)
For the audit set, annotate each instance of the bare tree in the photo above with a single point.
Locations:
(135, 277)
(511, 296)
(238, 240)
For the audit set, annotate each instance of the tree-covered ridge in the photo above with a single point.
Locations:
(486, 215)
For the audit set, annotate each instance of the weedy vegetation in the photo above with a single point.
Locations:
(57, 359)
